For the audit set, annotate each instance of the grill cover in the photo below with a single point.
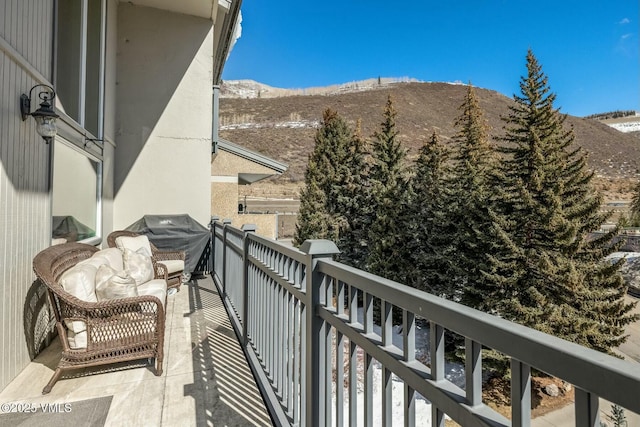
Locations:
(178, 233)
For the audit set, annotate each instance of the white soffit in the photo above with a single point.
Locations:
(200, 8)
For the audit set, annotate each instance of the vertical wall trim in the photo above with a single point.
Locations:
(215, 119)
(103, 66)
(101, 110)
(84, 11)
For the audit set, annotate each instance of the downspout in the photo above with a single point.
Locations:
(219, 57)
(215, 119)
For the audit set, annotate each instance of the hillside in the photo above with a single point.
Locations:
(283, 127)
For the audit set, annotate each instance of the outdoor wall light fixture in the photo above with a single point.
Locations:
(45, 116)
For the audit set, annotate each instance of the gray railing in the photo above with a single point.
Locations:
(307, 327)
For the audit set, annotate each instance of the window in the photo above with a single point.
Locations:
(77, 154)
(79, 61)
(76, 193)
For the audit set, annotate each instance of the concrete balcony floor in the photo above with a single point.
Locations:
(205, 382)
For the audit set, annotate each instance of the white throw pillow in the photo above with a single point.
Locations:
(139, 265)
(80, 281)
(111, 284)
(133, 243)
(111, 257)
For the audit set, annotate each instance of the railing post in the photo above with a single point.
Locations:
(212, 255)
(586, 409)
(473, 371)
(520, 394)
(315, 402)
(225, 222)
(247, 228)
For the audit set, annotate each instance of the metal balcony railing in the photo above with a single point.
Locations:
(307, 327)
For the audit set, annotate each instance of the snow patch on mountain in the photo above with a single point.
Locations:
(626, 126)
(298, 124)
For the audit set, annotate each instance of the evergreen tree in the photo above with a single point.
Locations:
(427, 235)
(312, 220)
(321, 214)
(388, 200)
(618, 416)
(354, 202)
(473, 173)
(635, 202)
(548, 275)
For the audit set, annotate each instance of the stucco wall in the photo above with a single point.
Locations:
(163, 116)
(224, 199)
(265, 223)
(224, 205)
(229, 164)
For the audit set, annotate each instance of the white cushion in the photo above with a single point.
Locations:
(155, 287)
(173, 265)
(77, 340)
(111, 284)
(112, 256)
(80, 281)
(133, 243)
(139, 265)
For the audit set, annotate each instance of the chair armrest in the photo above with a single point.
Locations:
(168, 255)
(160, 270)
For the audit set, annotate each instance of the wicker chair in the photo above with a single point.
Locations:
(174, 279)
(117, 330)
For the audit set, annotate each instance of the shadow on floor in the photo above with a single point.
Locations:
(223, 386)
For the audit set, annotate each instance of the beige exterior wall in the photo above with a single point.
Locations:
(265, 223)
(26, 28)
(225, 168)
(224, 163)
(224, 205)
(164, 115)
(224, 199)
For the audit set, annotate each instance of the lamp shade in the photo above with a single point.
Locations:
(46, 126)
(45, 120)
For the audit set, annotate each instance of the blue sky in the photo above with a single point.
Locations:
(588, 49)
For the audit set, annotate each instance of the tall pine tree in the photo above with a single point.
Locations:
(354, 202)
(635, 202)
(388, 200)
(322, 211)
(428, 232)
(470, 209)
(548, 275)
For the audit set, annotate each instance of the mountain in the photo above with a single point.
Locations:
(249, 89)
(281, 123)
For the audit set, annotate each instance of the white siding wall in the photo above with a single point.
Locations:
(25, 60)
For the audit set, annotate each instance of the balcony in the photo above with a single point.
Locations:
(206, 378)
(266, 339)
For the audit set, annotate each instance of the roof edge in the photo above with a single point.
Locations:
(253, 156)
